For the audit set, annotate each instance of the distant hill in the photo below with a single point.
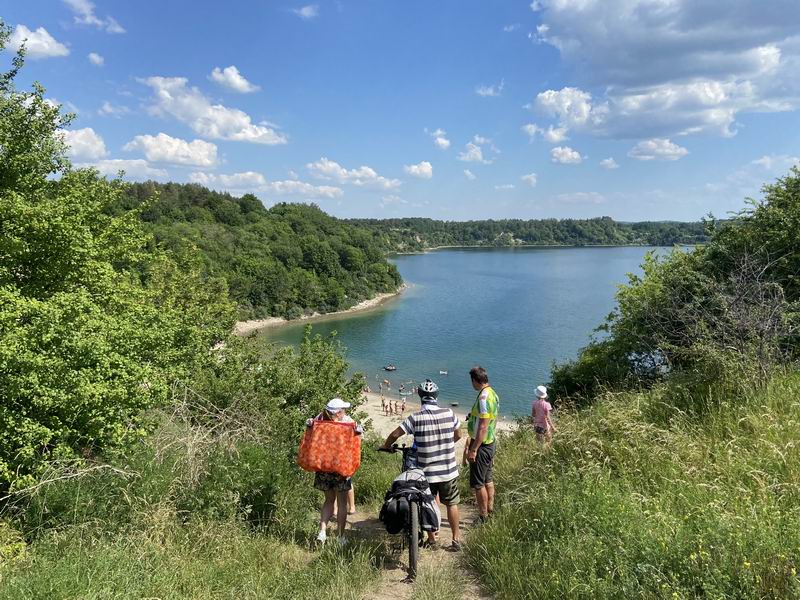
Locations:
(414, 234)
(285, 261)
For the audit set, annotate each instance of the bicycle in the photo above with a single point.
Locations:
(414, 489)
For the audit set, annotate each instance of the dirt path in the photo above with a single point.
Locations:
(393, 584)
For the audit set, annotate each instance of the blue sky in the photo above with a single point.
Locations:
(468, 109)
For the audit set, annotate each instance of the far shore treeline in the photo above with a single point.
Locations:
(418, 234)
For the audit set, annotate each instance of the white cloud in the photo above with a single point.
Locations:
(531, 179)
(423, 170)
(67, 104)
(293, 187)
(325, 168)
(580, 198)
(609, 163)
(469, 175)
(109, 110)
(187, 104)
(491, 90)
(672, 67)
(96, 59)
(483, 141)
(439, 138)
(572, 107)
(532, 130)
(392, 200)
(512, 27)
(136, 169)
(84, 144)
(776, 163)
(230, 78)
(246, 180)
(504, 186)
(657, 149)
(310, 11)
(164, 148)
(84, 15)
(473, 151)
(565, 155)
(38, 44)
(748, 179)
(251, 181)
(554, 135)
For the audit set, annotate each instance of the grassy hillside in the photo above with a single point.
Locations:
(630, 505)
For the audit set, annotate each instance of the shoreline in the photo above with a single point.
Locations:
(543, 246)
(242, 328)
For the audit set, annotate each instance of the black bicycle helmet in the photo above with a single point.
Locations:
(428, 389)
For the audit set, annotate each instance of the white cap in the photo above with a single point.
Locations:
(541, 392)
(336, 405)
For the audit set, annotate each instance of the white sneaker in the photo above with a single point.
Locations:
(322, 536)
(342, 541)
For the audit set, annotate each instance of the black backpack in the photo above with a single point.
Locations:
(396, 511)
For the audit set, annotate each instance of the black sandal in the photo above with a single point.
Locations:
(430, 545)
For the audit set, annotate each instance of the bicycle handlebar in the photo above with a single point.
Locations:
(395, 448)
(391, 450)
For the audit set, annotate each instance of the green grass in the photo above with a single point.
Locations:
(625, 505)
(181, 520)
(439, 583)
(199, 561)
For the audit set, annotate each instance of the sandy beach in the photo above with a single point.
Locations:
(383, 425)
(248, 327)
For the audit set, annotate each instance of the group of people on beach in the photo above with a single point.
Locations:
(436, 431)
(396, 407)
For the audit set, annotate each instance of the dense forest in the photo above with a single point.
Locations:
(416, 234)
(288, 260)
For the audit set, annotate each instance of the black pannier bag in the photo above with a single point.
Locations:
(395, 512)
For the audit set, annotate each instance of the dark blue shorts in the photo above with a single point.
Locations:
(481, 471)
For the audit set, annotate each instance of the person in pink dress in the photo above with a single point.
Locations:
(540, 413)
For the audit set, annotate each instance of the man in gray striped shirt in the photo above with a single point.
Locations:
(436, 431)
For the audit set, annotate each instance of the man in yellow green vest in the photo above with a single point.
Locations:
(480, 447)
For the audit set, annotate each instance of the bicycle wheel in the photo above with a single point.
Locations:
(413, 545)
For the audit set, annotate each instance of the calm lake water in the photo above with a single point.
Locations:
(513, 311)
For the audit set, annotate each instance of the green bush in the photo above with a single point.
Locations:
(720, 314)
(376, 473)
(12, 546)
(92, 327)
(601, 365)
(226, 449)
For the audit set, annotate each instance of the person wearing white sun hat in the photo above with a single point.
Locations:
(336, 488)
(540, 413)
